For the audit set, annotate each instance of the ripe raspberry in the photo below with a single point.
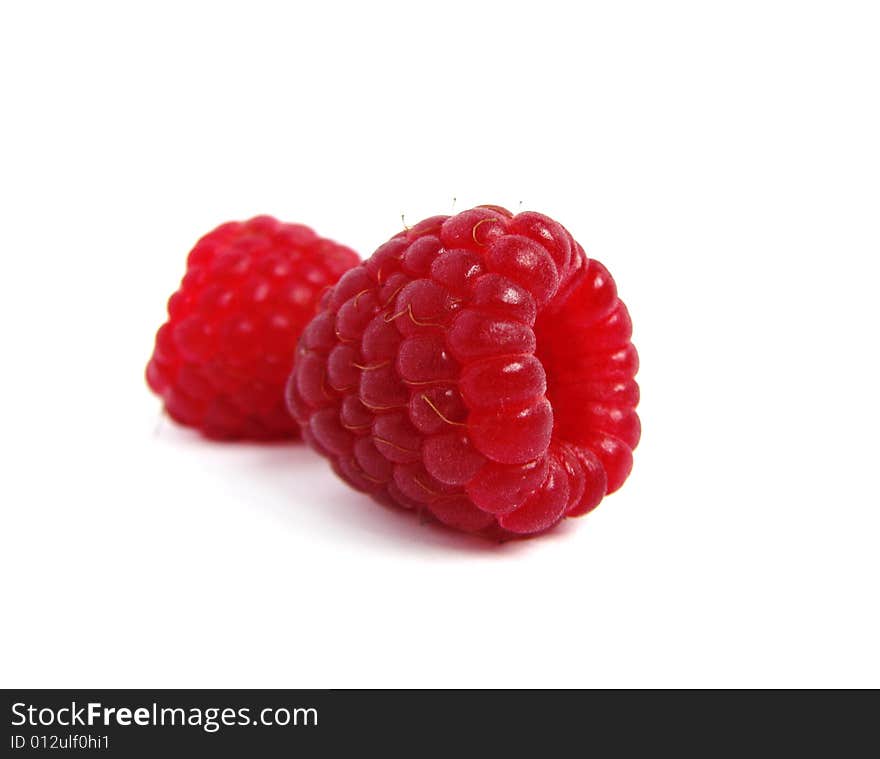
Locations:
(223, 357)
(477, 366)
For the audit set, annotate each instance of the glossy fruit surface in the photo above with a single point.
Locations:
(478, 367)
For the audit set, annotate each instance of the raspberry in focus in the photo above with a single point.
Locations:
(221, 360)
(477, 367)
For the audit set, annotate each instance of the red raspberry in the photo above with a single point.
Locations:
(223, 357)
(477, 366)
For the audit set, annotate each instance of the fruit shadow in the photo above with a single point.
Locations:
(292, 485)
(355, 516)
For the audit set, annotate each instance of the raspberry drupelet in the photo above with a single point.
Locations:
(221, 360)
(477, 367)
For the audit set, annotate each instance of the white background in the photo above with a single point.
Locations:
(720, 158)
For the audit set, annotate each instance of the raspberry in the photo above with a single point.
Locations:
(223, 357)
(478, 367)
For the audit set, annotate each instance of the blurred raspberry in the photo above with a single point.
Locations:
(221, 360)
